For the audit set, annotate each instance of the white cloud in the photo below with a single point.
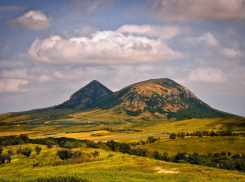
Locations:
(165, 32)
(13, 85)
(33, 19)
(197, 10)
(231, 53)
(212, 75)
(101, 47)
(207, 39)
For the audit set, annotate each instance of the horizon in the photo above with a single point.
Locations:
(48, 50)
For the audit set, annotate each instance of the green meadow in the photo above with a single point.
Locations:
(113, 166)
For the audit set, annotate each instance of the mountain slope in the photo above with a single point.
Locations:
(164, 98)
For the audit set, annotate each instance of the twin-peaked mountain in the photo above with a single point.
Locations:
(163, 98)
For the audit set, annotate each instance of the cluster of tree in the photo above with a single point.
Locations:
(150, 139)
(121, 130)
(14, 140)
(203, 133)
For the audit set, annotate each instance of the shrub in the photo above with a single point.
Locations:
(38, 150)
(65, 154)
(172, 136)
(10, 152)
(19, 151)
(27, 152)
(50, 143)
(8, 158)
(2, 159)
(95, 153)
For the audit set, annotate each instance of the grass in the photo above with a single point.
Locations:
(114, 167)
(203, 146)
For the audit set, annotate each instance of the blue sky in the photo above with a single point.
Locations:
(50, 49)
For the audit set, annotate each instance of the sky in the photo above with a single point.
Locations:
(51, 49)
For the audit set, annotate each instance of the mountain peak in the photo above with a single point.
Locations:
(87, 96)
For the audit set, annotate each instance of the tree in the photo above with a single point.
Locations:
(24, 138)
(38, 150)
(27, 151)
(212, 133)
(182, 135)
(172, 136)
(1, 149)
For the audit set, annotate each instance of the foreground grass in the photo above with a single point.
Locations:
(114, 167)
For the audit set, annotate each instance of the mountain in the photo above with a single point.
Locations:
(163, 98)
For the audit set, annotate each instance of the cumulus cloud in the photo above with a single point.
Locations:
(207, 39)
(13, 85)
(212, 75)
(165, 32)
(231, 53)
(197, 10)
(33, 19)
(101, 47)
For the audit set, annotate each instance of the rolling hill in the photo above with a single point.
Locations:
(161, 98)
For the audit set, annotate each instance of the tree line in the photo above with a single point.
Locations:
(201, 134)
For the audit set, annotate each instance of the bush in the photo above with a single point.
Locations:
(2, 159)
(38, 150)
(172, 136)
(10, 152)
(27, 152)
(19, 151)
(95, 153)
(50, 143)
(8, 158)
(65, 154)
(1, 149)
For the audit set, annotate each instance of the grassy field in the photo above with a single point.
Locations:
(114, 167)
(203, 146)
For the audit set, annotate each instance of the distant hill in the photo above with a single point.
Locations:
(163, 98)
